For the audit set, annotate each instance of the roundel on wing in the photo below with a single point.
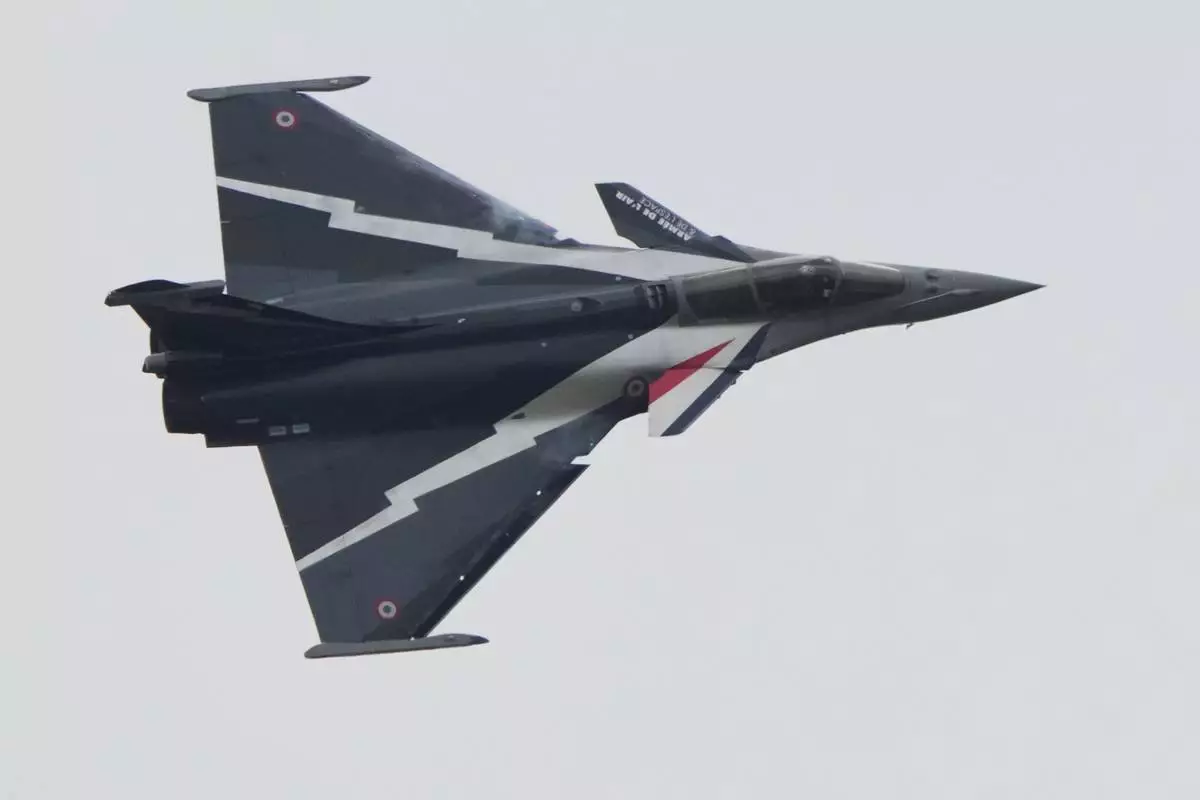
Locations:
(285, 119)
(386, 609)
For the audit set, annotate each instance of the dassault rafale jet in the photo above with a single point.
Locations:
(421, 366)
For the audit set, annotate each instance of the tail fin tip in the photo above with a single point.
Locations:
(215, 93)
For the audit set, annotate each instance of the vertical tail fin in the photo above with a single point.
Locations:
(647, 223)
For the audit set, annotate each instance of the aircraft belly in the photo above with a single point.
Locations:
(465, 386)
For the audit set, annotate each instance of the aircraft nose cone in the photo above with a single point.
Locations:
(993, 288)
(944, 293)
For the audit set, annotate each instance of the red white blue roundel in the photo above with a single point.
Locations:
(386, 609)
(285, 119)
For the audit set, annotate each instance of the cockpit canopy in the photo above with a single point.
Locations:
(785, 286)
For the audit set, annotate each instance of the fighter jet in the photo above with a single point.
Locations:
(421, 366)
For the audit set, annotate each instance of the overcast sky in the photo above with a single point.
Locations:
(957, 561)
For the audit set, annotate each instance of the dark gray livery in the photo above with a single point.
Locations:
(421, 365)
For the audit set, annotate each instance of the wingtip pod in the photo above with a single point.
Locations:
(159, 291)
(439, 642)
(214, 93)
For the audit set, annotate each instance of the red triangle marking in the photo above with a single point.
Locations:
(682, 371)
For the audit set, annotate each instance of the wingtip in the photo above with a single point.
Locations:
(336, 84)
(437, 642)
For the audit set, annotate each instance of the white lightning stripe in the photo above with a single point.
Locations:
(593, 386)
(481, 245)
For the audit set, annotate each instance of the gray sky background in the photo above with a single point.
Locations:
(954, 561)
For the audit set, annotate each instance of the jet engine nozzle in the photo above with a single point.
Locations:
(172, 362)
